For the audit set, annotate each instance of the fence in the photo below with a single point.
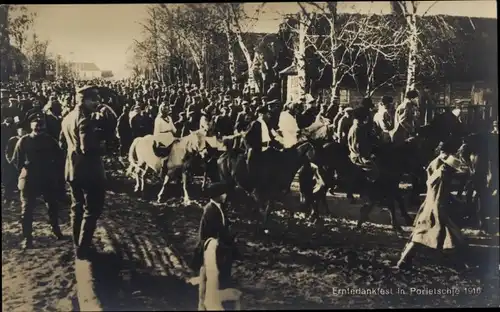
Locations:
(475, 117)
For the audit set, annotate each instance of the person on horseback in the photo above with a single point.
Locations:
(163, 122)
(360, 145)
(258, 136)
(382, 119)
(288, 129)
(406, 118)
(344, 124)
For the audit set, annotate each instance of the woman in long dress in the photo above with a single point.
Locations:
(433, 226)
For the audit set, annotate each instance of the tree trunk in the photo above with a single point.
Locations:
(412, 52)
(251, 77)
(232, 66)
(300, 53)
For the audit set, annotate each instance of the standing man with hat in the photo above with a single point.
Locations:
(84, 169)
(405, 118)
(383, 120)
(39, 159)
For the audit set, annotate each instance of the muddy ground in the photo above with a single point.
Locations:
(304, 267)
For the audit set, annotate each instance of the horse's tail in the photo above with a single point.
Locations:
(132, 157)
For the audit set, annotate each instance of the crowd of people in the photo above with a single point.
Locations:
(50, 136)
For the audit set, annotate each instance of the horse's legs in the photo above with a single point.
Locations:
(187, 200)
(394, 219)
(137, 187)
(364, 212)
(204, 183)
(402, 208)
(142, 178)
(164, 185)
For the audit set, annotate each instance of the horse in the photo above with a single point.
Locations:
(167, 156)
(271, 176)
(475, 153)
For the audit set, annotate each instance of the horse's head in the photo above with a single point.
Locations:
(306, 150)
(196, 143)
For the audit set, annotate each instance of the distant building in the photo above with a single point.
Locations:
(86, 70)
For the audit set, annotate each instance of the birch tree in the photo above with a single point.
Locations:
(426, 35)
(334, 40)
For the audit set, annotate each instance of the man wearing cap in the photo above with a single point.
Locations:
(405, 118)
(54, 107)
(39, 159)
(141, 122)
(258, 137)
(344, 124)
(382, 119)
(360, 145)
(223, 125)
(308, 116)
(243, 119)
(84, 169)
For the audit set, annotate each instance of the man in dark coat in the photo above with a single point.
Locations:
(223, 124)
(84, 169)
(9, 172)
(39, 159)
(213, 223)
(123, 131)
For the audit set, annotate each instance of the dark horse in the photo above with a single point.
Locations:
(475, 152)
(272, 174)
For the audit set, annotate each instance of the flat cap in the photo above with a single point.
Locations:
(86, 88)
(273, 102)
(34, 116)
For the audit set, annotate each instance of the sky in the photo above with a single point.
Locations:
(103, 33)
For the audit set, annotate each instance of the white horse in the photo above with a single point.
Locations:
(167, 156)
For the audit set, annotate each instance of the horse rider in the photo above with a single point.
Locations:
(433, 227)
(288, 130)
(163, 122)
(244, 119)
(359, 141)
(344, 124)
(84, 169)
(308, 116)
(258, 137)
(405, 119)
(223, 124)
(382, 119)
(39, 159)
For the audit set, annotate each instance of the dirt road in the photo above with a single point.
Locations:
(147, 247)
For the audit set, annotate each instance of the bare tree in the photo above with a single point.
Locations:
(36, 54)
(334, 40)
(425, 36)
(380, 43)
